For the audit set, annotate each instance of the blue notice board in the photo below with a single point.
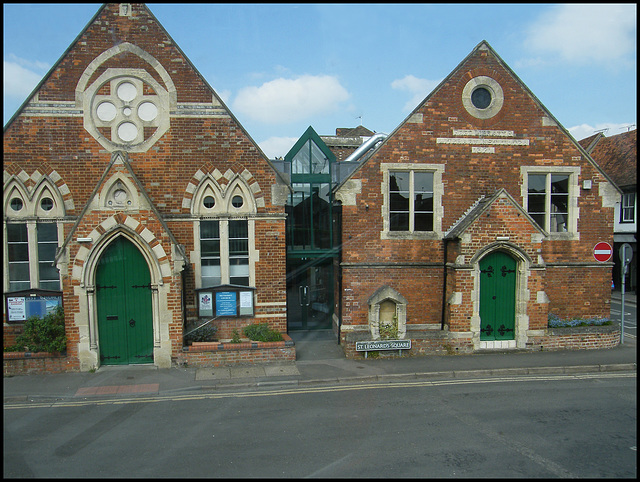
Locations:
(226, 304)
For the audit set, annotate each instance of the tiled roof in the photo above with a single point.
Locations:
(346, 140)
(359, 131)
(479, 207)
(616, 155)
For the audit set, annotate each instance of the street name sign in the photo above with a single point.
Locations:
(376, 345)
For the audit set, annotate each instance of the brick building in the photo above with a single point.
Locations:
(617, 155)
(133, 195)
(473, 221)
(128, 187)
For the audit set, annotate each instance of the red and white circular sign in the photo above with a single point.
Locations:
(602, 252)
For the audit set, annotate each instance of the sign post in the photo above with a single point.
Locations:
(626, 253)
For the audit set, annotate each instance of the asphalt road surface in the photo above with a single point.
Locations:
(547, 426)
(630, 317)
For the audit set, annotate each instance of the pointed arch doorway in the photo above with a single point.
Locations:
(124, 305)
(498, 275)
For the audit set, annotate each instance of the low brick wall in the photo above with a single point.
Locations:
(440, 342)
(577, 338)
(215, 354)
(423, 343)
(25, 363)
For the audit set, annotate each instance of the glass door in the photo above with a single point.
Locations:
(310, 294)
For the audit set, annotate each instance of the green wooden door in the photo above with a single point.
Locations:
(123, 294)
(497, 297)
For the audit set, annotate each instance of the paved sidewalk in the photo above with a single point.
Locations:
(320, 361)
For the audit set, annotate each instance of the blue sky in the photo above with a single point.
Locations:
(281, 68)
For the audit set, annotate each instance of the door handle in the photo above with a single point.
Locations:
(132, 322)
(303, 292)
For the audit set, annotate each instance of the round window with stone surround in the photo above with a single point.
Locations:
(126, 109)
(482, 97)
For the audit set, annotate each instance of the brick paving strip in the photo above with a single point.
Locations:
(118, 390)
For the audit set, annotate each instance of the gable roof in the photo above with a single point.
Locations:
(181, 53)
(616, 155)
(484, 45)
(310, 134)
(480, 207)
(124, 158)
(360, 131)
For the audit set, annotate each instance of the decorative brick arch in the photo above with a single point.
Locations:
(223, 185)
(31, 186)
(84, 273)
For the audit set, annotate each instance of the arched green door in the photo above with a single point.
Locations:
(497, 297)
(123, 297)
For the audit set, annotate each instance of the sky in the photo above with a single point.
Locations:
(281, 68)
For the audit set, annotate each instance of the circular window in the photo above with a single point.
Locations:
(209, 202)
(46, 204)
(127, 91)
(16, 204)
(120, 195)
(147, 111)
(106, 112)
(127, 131)
(482, 97)
(237, 201)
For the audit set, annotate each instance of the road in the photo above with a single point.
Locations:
(630, 318)
(547, 426)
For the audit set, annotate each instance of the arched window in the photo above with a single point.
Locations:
(224, 228)
(32, 232)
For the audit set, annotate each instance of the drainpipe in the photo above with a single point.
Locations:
(444, 286)
(368, 144)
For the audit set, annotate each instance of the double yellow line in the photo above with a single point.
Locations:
(306, 390)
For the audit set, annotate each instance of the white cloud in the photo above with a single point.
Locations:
(288, 100)
(585, 130)
(19, 81)
(585, 32)
(224, 94)
(419, 88)
(277, 146)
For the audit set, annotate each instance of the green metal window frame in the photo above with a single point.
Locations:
(309, 178)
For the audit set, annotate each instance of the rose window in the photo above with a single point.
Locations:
(127, 112)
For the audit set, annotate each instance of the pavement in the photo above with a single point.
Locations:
(320, 361)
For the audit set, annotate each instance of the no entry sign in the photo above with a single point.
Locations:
(602, 252)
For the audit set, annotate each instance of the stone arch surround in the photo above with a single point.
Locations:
(524, 267)
(83, 274)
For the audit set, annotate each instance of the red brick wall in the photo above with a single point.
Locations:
(192, 144)
(467, 176)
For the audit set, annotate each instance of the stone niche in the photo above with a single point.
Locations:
(387, 309)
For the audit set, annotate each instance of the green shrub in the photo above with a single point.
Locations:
(235, 337)
(44, 334)
(261, 332)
